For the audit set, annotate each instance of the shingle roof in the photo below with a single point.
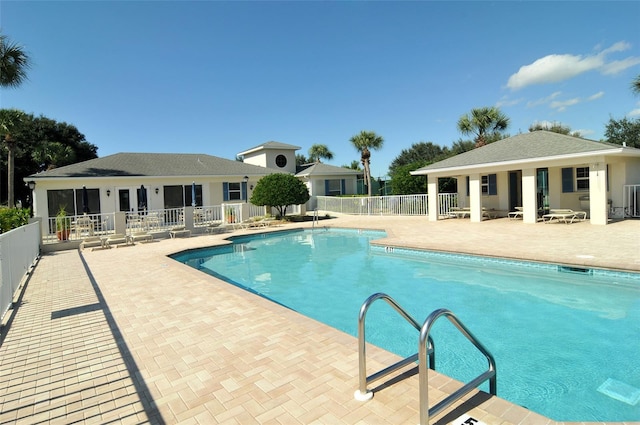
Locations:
(532, 145)
(155, 164)
(270, 145)
(320, 169)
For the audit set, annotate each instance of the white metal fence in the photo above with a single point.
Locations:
(631, 200)
(386, 205)
(19, 249)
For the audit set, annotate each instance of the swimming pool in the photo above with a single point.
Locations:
(566, 342)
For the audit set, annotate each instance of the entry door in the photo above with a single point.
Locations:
(124, 200)
(515, 190)
(542, 189)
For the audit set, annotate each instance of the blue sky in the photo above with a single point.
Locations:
(221, 77)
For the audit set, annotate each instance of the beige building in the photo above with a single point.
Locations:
(542, 170)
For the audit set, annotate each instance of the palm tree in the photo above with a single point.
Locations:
(9, 121)
(317, 152)
(14, 63)
(483, 122)
(363, 142)
(635, 85)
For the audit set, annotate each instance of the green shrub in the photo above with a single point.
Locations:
(12, 218)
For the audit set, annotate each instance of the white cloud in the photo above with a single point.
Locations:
(561, 106)
(556, 68)
(556, 103)
(595, 96)
(634, 113)
(544, 100)
(505, 101)
(615, 67)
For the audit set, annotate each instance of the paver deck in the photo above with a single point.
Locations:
(130, 336)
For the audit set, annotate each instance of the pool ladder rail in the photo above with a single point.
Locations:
(425, 357)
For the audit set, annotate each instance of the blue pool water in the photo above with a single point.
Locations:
(566, 344)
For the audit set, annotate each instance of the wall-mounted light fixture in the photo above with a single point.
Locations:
(157, 190)
(108, 192)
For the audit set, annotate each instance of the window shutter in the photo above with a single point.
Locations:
(493, 184)
(467, 185)
(326, 188)
(343, 186)
(567, 180)
(225, 191)
(243, 188)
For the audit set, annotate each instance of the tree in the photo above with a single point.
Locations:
(301, 159)
(10, 119)
(403, 183)
(461, 146)
(555, 127)
(364, 142)
(624, 131)
(635, 85)
(425, 152)
(318, 152)
(14, 63)
(279, 190)
(355, 165)
(485, 123)
(39, 144)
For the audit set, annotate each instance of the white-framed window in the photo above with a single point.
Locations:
(235, 191)
(582, 179)
(484, 185)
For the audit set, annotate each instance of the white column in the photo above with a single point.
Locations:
(598, 208)
(529, 196)
(432, 198)
(475, 197)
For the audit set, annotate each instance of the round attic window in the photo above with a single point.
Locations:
(281, 161)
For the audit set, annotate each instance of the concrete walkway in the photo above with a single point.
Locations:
(127, 335)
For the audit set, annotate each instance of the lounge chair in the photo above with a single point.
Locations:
(179, 231)
(91, 242)
(567, 216)
(140, 237)
(460, 212)
(518, 213)
(117, 239)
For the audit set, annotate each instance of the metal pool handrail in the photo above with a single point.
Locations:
(490, 374)
(362, 393)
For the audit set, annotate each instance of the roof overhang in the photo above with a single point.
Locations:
(557, 160)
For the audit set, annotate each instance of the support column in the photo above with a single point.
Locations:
(475, 198)
(529, 197)
(598, 207)
(432, 199)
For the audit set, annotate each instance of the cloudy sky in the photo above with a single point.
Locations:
(221, 77)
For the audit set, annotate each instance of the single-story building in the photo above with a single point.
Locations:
(542, 170)
(127, 182)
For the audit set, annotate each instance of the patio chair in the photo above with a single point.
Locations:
(140, 237)
(518, 213)
(460, 212)
(91, 242)
(117, 240)
(179, 231)
(565, 215)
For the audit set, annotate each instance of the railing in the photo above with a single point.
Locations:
(425, 337)
(77, 227)
(363, 393)
(386, 205)
(425, 358)
(19, 249)
(631, 200)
